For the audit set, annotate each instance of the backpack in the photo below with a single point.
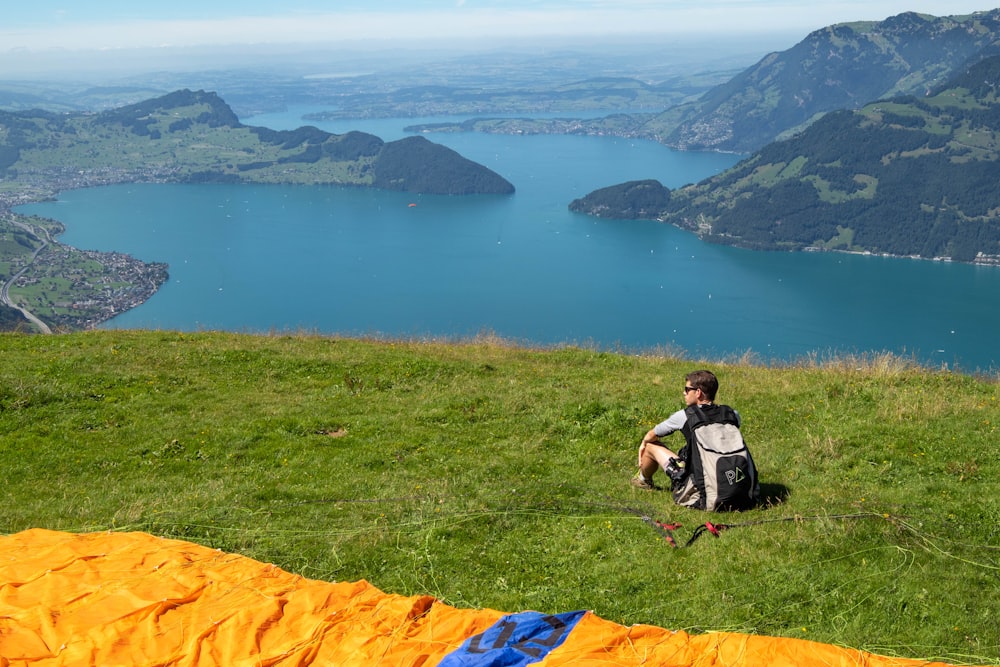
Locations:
(720, 471)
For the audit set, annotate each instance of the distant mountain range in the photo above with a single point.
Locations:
(843, 66)
(911, 174)
(195, 137)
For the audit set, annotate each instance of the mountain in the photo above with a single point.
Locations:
(842, 66)
(903, 176)
(191, 136)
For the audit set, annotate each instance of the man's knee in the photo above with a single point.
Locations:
(658, 454)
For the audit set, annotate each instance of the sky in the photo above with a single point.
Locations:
(40, 25)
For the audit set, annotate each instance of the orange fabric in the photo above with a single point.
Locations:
(596, 642)
(135, 599)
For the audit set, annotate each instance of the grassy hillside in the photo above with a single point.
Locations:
(495, 476)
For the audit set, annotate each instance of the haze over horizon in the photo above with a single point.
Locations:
(52, 34)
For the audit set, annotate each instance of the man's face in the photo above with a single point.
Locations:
(690, 394)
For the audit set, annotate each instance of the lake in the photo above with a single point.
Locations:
(366, 262)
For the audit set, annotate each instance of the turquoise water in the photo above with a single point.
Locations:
(356, 261)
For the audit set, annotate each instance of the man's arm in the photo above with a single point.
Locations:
(674, 422)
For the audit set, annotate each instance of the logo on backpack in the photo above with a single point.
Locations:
(720, 471)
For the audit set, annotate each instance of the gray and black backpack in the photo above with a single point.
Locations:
(720, 473)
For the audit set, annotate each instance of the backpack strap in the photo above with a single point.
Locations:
(697, 417)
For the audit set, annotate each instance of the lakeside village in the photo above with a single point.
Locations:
(77, 289)
(982, 259)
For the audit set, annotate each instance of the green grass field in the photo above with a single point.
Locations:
(490, 475)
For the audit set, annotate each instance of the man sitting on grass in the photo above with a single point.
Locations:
(714, 469)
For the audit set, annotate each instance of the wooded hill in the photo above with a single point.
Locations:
(905, 176)
(194, 136)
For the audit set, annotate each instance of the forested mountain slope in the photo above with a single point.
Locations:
(904, 176)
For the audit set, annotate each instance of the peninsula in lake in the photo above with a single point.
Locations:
(185, 136)
(189, 136)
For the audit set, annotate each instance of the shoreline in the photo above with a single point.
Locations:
(121, 282)
(982, 260)
(145, 278)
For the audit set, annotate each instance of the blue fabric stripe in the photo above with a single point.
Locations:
(515, 640)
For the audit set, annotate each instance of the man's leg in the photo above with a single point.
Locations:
(652, 458)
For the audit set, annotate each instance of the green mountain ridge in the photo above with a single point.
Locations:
(195, 136)
(905, 176)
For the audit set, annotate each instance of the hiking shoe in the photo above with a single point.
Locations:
(640, 482)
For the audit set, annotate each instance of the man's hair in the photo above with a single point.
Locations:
(704, 380)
